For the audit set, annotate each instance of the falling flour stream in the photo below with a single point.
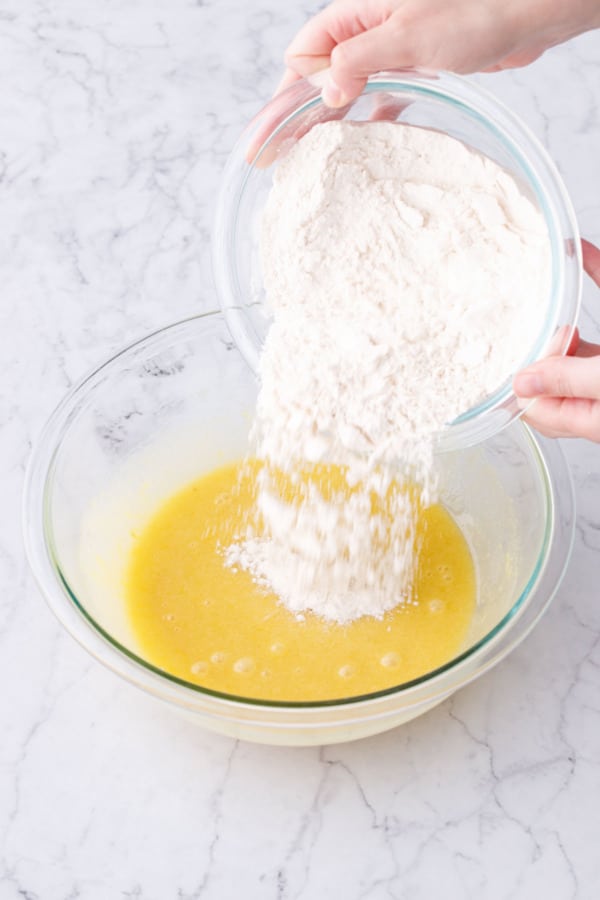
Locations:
(405, 274)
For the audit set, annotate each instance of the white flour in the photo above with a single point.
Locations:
(406, 275)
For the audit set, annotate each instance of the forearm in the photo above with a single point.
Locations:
(355, 39)
(554, 21)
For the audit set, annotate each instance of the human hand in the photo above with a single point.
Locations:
(355, 39)
(566, 388)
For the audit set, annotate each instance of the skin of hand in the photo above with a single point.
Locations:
(566, 388)
(356, 38)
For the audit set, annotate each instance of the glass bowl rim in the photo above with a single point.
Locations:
(62, 600)
(473, 425)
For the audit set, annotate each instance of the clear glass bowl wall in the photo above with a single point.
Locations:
(180, 402)
(440, 101)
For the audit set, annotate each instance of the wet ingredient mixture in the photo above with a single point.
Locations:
(198, 618)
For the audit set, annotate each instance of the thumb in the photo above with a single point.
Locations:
(560, 376)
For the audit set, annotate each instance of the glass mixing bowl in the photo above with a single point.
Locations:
(439, 101)
(180, 402)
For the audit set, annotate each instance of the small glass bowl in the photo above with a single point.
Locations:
(439, 101)
(180, 402)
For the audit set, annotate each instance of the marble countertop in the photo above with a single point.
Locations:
(115, 121)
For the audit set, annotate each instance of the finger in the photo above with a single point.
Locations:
(311, 48)
(273, 135)
(556, 346)
(355, 59)
(289, 77)
(585, 349)
(559, 417)
(386, 107)
(591, 260)
(575, 343)
(577, 346)
(560, 376)
(262, 127)
(262, 148)
(517, 60)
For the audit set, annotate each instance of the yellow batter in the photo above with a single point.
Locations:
(204, 622)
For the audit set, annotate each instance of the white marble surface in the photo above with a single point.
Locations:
(115, 120)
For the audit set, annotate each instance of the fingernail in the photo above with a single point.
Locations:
(332, 94)
(528, 384)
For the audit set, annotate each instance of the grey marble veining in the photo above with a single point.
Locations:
(115, 121)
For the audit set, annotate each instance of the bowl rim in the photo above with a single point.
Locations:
(494, 645)
(502, 406)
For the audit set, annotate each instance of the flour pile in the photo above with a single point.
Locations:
(406, 275)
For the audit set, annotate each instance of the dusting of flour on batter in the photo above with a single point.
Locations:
(406, 275)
